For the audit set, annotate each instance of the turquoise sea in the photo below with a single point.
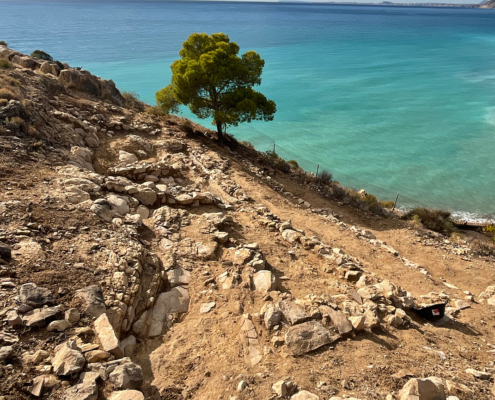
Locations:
(390, 99)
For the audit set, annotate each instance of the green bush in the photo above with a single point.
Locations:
(293, 163)
(275, 161)
(3, 43)
(435, 220)
(387, 204)
(4, 64)
(41, 55)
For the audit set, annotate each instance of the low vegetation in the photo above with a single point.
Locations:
(8, 94)
(389, 204)
(133, 102)
(3, 43)
(156, 111)
(5, 64)
(325, 177)
(41, 55)
(435, 220)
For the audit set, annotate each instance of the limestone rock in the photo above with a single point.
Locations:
(96, 356)
(273, 316)
(304, 395)
(307, 337)
(76, 195)
(42, 384)
(50, 68)
(92, 297)
(178, 276)
(128, 345)
(86, 390)
(59, 326)
(35, 296)
(127, 158)
(41, 316)
(127, 395)
(118, 204)
(174, 301)
(68, 359)
(293, 313)
(478, 374)
(358, 322)
(338, 318)
(127, 376)
(146, 196)
(5, 353)
(423, 389)
(106, 335)
(13, 318)
(206, 307)
(280, 388)
(264, 281)
(143, 211)
(72, 316)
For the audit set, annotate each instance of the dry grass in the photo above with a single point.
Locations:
(132, 101)
(4, 64)
(8, 94)
(156, 111)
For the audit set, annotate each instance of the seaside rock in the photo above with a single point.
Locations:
(423, 389)
(50, 68)
(264, 281)
(308, 336)
(293, 313)
(84, 81)
(304, 395)
(5, 252)
(68, 359)
(106, 335)
(92, 297)
(127, 376)
(127, 395)
(35, 296)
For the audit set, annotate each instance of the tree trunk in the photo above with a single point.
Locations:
(219, 132)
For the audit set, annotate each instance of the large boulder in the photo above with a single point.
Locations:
(35, 296)
(308, 336)
(423, 389)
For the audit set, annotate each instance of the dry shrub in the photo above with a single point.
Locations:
(435, 220)
(293, 163)
(275, 161)
(132, 101)
(8, 94)
(3, 102)
(187, 126)
(33, 132)
(325, 177)
(156, 111)
(5, 64)
(482, 248)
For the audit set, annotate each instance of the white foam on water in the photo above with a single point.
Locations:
(490, 115)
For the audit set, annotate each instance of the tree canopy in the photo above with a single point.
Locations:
(215, 82)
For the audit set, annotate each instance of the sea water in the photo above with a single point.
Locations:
(389, 99)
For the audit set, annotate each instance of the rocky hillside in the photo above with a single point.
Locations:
(488, 4)
(139, 259)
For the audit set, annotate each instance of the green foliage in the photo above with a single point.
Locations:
(60, 65)
(165, 99)
(3, 43)
(293, 163)
(5, 64)
(275, 161)
(325, 177)
(435, 220)
(214, 82)
(387, 204)
(490, 229)
(41, 55)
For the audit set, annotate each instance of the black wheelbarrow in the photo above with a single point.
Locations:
(431, 313)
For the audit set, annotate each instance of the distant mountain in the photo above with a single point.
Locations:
(488, 4)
